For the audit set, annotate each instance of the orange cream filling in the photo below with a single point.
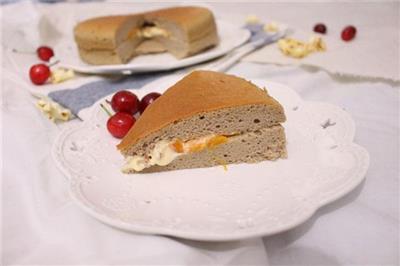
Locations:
(199, 144)
(164, 152)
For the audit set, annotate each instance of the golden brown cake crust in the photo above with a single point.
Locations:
(198, 92)
(193, 19)
(100, 32)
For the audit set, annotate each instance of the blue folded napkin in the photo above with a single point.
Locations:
(89, 93)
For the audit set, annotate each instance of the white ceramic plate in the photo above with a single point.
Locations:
(212, 204)
(230, 37)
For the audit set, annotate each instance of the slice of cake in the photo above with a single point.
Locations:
(206, 119)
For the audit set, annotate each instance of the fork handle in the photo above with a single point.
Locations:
(232, 58)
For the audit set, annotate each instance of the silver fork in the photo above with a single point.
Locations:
(258, 39)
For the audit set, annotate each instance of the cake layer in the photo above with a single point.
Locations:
(120, 55)
(250, 147)
(150, 47)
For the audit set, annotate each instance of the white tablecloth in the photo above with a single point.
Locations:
(42, 226)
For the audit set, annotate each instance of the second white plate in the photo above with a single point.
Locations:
(230, 37)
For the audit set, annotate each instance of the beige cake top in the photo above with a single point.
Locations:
(193, 19)
(198, 92)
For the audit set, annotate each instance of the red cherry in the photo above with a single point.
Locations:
(349, 33)
(125, 101)
(39, 73)
(147, 100)
(120, 123)
(45, 53)
(321, 28)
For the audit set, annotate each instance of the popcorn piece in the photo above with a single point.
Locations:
(298, 49)
(316, 44)
(61, 74)
(53, 110)
(293, 48)
(252, 19)
(271, 27)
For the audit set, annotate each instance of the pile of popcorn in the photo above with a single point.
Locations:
(290, 46)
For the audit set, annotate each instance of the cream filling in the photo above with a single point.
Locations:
(164, 152)
(153, 31)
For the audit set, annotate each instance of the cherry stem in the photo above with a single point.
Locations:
(54, 63)
(105, 109)
(21, 52)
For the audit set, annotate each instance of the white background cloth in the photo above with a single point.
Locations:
(42, 226)
(369, 54)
